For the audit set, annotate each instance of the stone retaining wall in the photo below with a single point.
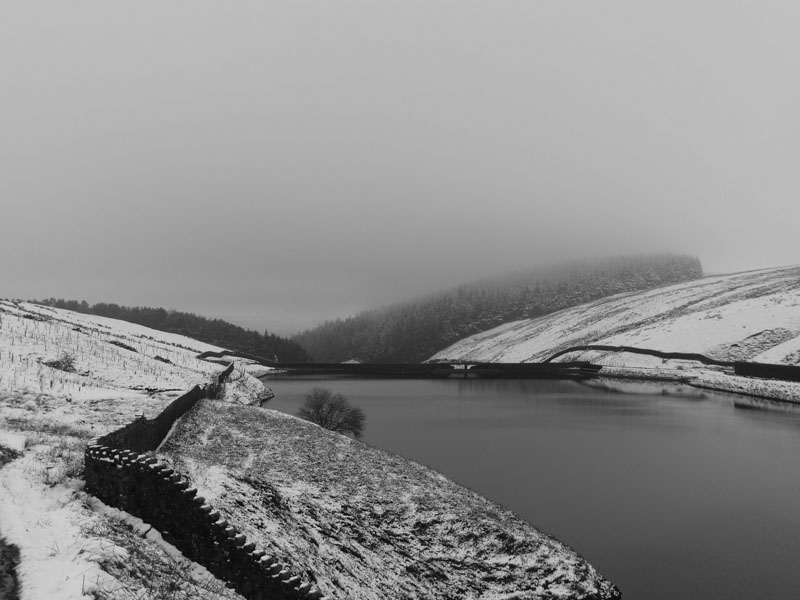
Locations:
(768, 371)
(120, 473)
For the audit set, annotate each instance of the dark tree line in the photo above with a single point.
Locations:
(414, 331)
(212, 331)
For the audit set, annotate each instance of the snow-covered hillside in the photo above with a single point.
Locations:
(107, 372)
(367, 524)
(111, 356)
(66, 378)
(744, 316)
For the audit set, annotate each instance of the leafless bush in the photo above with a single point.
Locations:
(332, 411)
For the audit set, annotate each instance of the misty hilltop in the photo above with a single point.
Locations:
(750, 316)
(413, 331)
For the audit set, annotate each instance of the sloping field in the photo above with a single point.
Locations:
(752, 316)
(111, 357)
(363, 523)
(68, 545)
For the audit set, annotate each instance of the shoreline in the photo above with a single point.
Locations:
(778, 391)
(719, 381)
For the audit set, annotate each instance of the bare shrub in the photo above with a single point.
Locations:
(332, 411)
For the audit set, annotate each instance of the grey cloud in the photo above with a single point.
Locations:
(290, 162)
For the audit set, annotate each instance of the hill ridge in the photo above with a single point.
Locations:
(411, 331)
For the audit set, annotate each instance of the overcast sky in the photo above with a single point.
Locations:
(280, 163)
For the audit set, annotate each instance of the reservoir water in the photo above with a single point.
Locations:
(668, 496)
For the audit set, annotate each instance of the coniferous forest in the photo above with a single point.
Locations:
(414, 331)
(212, 331)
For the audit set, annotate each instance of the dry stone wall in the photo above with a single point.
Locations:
(768, 371)
(743, 368)
(121, 473)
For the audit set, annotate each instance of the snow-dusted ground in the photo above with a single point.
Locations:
(72, 547)
(364, 523)
(317, 490)
(68, 547)
(111, 357)
(744, 316)
(422, 528)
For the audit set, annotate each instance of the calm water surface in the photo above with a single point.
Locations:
(668, 497)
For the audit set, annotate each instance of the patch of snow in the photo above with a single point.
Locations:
(14, 441)
(787, 353)
(242, 388)
(42, 522)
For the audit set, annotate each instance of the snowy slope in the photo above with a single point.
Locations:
(743, 316)
(70, 546)
(368, 524)
(111, 357)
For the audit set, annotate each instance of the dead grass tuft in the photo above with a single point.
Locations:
(146, 571)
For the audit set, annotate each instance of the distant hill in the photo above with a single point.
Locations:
(413, 331)
(751, 316)
(212, 331)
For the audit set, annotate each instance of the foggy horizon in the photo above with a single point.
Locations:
(256, 321)
(281, 164)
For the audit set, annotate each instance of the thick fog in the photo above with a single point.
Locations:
(280, 163)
